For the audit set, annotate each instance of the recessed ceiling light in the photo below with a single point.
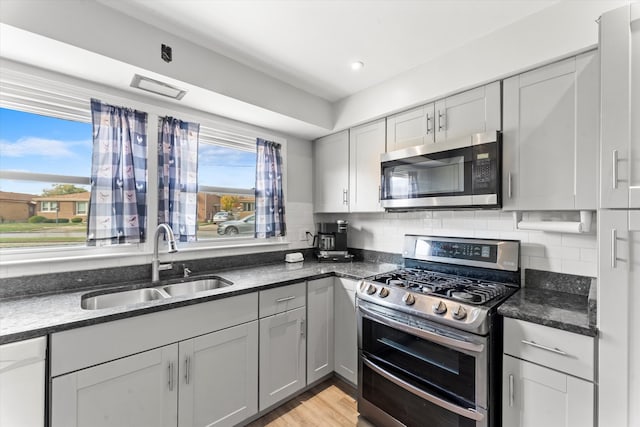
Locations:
(357, 65)
(150, 85)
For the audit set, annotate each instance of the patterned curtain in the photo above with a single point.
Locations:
(178, 176)
(269, 195)
(117, 207)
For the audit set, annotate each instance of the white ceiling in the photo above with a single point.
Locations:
(311, 43)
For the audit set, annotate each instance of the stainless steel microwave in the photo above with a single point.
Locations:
(465, 173)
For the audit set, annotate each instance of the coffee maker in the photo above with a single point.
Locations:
(332, 241)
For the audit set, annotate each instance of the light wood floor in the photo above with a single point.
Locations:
(331, 403)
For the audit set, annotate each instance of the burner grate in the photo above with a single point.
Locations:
(457, 288)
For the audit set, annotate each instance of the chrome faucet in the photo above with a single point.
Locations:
(156, 267)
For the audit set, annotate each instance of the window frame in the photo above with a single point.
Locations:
(47, 93)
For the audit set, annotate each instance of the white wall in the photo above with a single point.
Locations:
(557, 252)
(567, 27)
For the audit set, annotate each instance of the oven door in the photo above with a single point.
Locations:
(415, 373)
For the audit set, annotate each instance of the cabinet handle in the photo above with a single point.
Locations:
(614, 248)
(345, 198)
(285, 299)
(187, 369)
(509, 180)
(428, 124)
(441, 122)
(510, 390)
(302, 328)
(614, 169)
(544, 347)
(170, 373)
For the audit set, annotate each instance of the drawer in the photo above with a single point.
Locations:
(281, 299)
(557, 349)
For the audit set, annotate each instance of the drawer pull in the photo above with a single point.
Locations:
(285, 299)
(544, 347)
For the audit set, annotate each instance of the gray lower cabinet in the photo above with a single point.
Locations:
(219, 377)
(147, 389)
(139, 390)
(547, 377)
(190, 366)
(320, 324)
(346, 335)
(282, 356)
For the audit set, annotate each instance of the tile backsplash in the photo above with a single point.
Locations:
(557, 252)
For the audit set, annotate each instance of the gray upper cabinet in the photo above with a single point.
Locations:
(411, 128)
(331, 173)
(366, 143)
(620, 143)
(474, 111)
(550, 136)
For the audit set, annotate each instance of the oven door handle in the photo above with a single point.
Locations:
(431, 336)
(465, 412)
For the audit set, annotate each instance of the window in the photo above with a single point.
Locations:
(48, 206)
(226, 181)
(45, 164)
(81, 208)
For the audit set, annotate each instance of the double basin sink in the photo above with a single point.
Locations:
(186, 287)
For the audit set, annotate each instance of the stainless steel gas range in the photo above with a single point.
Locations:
(429, 337)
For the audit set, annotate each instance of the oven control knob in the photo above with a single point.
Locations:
(371, 289)
(384, 292)
(459, 313)
(440, 308)
(408, 298)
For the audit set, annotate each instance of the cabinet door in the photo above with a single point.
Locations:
(366, 143)
(22, 379)
(619, 295)
(319, 329)
(550, 136)
(620, 149)
(411, 128)
(535, 396)
(474, 111)
(139, 390)
(331, 173)
(282, 356)
(346, 335)
(219, 377)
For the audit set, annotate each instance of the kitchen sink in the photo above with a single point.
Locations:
(186, 287)
(117, 299)
(195, 286)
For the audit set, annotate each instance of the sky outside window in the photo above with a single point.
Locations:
(40, 144)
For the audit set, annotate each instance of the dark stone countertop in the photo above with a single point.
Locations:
(549, 299)
(38, 315)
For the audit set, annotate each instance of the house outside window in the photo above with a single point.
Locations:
(48, 206)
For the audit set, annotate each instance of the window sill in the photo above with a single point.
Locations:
(52, 260)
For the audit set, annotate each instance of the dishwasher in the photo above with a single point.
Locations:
(22, 382)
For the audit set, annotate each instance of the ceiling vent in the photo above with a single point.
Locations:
(160, 88)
